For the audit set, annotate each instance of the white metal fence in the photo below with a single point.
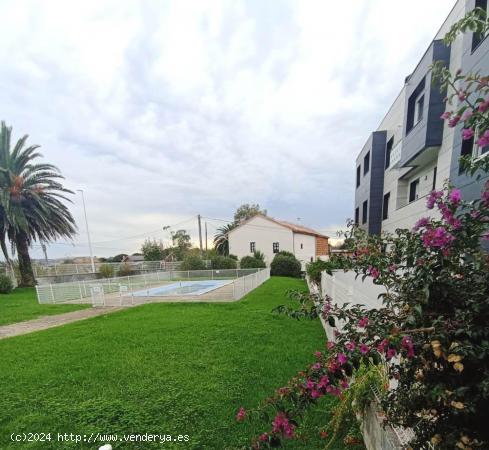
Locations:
(41, 270)
(243, 285)
(81, 290)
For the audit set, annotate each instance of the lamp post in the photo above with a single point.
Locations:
(88, 232)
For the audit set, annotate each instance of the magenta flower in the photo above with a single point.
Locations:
(350, 346)
(373, 272)
(310, 384)
(316, 366)
(421, 223)
(363, 322)
(317, 354)
(342, 358)
(467, 114)
(392, 268)
(467, 133)
(391, 352)
(433, 198)
(484, 139)
(330, 345)
(453, 121)
(315, 394)
(263, 437)
(437, 238)
(364, 349)
(381, 347)
(446, 115)
(240, 417)
(484, 105)
(323, 382)
(282, 425)
(455, 196)
(344, 384)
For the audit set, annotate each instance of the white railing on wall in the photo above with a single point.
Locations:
(80, 291)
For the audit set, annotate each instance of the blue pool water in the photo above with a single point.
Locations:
(183, 288)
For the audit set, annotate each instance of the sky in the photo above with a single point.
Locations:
(162, 110)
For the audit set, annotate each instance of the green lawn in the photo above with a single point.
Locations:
(158, 368)
(21, 304)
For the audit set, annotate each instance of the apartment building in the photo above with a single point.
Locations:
(413, 151)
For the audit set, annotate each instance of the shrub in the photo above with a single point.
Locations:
(193, 262)
(249, 262)
(286, 266)
(6, 284)
(315, 268)
(233, 257)
(106, 271)
(257, 254)
(125, 270)
(285, 253)
(223, 262)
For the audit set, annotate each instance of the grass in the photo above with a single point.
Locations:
(159, 368)
(21, 305)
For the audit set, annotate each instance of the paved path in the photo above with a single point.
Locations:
(45, 322)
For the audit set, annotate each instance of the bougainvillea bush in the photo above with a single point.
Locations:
(432, 332)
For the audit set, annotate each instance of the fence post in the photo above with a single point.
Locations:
(52, 292)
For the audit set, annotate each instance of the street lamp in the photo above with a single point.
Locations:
(88, 232)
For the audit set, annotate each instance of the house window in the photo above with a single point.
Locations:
(388, 151)
(359, 169)
(365, 211)
(415, 106)
(357, 216)
(470, 148)
(366, 163)
(477, 38)
(433, 186)
(252, 247)
(275, 247)
(385, 206)
(312, 259)
(302, 246)
(413, 190)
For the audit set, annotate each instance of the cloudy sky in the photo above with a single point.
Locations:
(160, 110)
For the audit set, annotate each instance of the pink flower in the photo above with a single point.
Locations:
(263, 437)
(317, 354)
(446, 115)
(363, 322)
(462, 95)
(315, 394)
(484, 105)
(373, 272)
(381, 347)
(344, 384)
(484, 139)
(316, 366)
(485, 236)
(240, 417)
(421, 223)
(310, 384)
(342, 358)
(433, 198)
(467, 133)
(392, 268)
(330, 345)
(467, 114)
(455, 196)
(282, 425)
(437, 238)
(453, 121)
(323, 382)
(350, 346)
(364, 349)
(391, 352)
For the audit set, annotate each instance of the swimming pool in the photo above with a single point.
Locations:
(183, 288)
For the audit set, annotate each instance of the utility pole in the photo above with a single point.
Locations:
(88, 233)
(200, 234)
(206, 238)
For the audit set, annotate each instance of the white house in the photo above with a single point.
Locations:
(270, 236)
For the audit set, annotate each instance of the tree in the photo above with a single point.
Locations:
(31, 201)
(152, 250)
(181, 243)
(247, 211)
(221, 241)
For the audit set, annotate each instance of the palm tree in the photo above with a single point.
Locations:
(221, 242)
(31, 201)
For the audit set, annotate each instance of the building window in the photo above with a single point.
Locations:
(357, 216)
(312, 259)
(433, 186)
(413, 190)
(385, 206)
(302, 246)
(365, 211)
(366, 163)
(359, 169)
(415, 106)
(477, 38)
(467, 149)
(388, 151)
(252, 247)
(275, 247)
